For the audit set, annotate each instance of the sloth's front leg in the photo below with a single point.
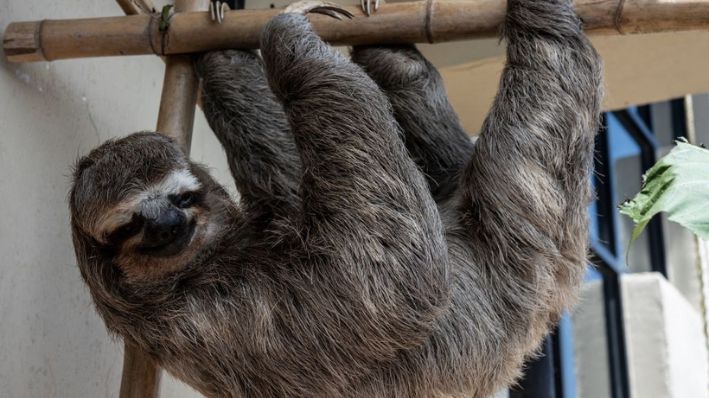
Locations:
(252, 127)
(526, 189)
(369, 220)
(349, 142)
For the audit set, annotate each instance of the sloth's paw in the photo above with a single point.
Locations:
(217, 10)
(370, 6)
(318, 7)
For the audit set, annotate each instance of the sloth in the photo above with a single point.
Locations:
(375, 250)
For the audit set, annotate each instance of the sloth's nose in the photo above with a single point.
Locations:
(162, 230)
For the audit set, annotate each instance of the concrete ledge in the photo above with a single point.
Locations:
(664, 339)
(666, 347)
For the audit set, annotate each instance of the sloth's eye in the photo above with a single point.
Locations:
(185, 200)
(126, 231)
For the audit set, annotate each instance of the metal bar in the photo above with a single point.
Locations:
(565, 359)
(649, 145)
(615, 333)
(679, 120)
(558, 363)
(603, 177)
(637, 129)
(615, 329)
(607, 261)
(604, 257)
(539, 378)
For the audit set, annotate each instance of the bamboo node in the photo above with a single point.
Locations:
(24, 43)
(428, 19)
(154, 19)
(618, 17)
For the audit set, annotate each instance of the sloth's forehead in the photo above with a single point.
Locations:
(174, 182)
(177, 181)
(125, 170)
(139, 159)
(109, 186)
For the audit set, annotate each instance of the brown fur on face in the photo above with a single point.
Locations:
(165, 172)
(376, 252)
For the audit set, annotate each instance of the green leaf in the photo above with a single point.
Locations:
(165, 16)
(677, 185)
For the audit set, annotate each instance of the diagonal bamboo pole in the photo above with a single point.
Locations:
(179, 98)
(180, 89)
(141, 375)
(409, 22)
(134, 7)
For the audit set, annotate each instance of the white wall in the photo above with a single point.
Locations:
(665, 343)
(52, 344)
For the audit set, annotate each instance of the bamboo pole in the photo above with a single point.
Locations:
(141, 375)
(179, 97)
(134, 7)
(180, 90)
(408, 22)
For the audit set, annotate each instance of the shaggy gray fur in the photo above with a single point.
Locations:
(339, 275)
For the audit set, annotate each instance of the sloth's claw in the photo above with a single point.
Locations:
(367, 6)
(217, 10)
(318, 7)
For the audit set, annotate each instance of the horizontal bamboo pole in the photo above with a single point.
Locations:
(410, 22)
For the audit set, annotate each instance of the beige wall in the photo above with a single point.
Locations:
(664, 339)
(52, 344)
(640, 69)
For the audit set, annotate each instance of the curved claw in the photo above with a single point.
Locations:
(367, 6)
(217, 10)
(318, 7)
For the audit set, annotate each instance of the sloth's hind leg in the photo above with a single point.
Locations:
(433, 135)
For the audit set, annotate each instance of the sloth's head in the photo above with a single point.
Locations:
(141, 210)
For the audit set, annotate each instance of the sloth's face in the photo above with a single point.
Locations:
(157, 228)
(144, 204)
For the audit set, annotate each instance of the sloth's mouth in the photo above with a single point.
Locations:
(173, 247)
